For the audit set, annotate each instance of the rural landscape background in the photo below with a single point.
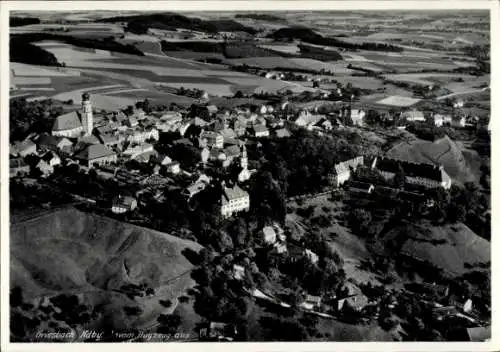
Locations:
(168, 269)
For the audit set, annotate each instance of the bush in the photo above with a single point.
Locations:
(166, 303)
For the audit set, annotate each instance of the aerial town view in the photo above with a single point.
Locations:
(249, 176)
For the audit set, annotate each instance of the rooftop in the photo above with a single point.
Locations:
(423, 170)
(95, 151)
(234, 193)
(67, 121)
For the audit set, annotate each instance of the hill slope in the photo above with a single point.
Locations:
(455, 249)
(93, 257)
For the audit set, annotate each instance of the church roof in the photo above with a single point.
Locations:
(67, 121)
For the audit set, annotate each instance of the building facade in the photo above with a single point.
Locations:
(234, 200)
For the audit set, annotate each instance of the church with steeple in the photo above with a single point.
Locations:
(244, 174)
(76, 123)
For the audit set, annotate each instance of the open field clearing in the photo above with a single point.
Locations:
(365, 65)
(31, 80)
(193, 55)
(158, 97)
(79, 92)
(312, 64)
(453, 81)
(398, 101)
(361, 81)
(19, 70)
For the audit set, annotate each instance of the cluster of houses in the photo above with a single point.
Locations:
(106, 141)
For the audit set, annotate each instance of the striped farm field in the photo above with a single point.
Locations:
(268, 62)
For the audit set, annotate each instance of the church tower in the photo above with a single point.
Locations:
(244, 158)
(244, 174)
(87, 118)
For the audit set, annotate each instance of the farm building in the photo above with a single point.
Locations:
(440, 120)
(311, 302)
(354, 299)
(413, 115)
(123, 204)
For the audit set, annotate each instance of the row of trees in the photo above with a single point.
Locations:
(31, 117)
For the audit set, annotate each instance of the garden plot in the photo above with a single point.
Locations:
(287, 48)
(399, 101)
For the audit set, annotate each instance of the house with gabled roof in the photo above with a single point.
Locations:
(234, 200)
(342, 171)
(18, 167)
(25, 148)
(96, 154)
(283, 133)
(52, 158)
(260, 130)
(413, 115)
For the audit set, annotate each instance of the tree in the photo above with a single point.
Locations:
(360, 220)
(399, 178)
(169, 323)
(224, 241)
(238, 94)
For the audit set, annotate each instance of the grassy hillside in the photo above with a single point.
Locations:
(455, 249)
(71, 252)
